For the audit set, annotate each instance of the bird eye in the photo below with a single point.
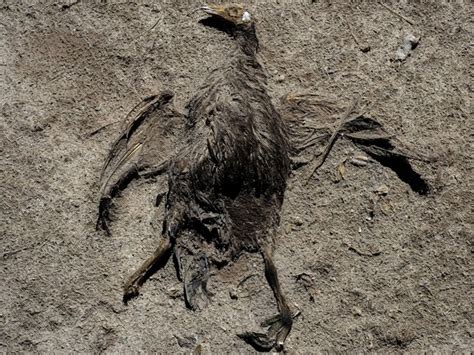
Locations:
(233, 12)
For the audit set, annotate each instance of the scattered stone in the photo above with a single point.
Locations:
(359, 160)
(297, 221)
(382, 190)
(356, 311)
(410, 42)
(174, 292)
(341, 171)
(233, 294)
(186, 341)
(280, 78)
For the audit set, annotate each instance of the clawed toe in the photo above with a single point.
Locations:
(132, 287)
(130, 291)
(279, 328)
(259, 341)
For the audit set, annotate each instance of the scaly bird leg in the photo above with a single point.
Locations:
(159, 258)
(279, 325)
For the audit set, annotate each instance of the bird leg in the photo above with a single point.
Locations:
(280, 324)
(157, 260)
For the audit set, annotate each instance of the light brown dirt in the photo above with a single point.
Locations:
(369, 272)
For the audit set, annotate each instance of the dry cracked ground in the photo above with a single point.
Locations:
(373, 265)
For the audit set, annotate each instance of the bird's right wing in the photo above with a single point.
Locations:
(143, 149)
(316, 123)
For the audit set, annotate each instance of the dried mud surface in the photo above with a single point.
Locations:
(372, 265)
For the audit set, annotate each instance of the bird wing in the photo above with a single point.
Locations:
(309, 119)
(143, 149)
(303, 113)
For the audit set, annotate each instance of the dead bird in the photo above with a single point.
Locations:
(226, 180)
(227, 161)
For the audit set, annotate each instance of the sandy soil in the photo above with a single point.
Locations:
(370, 271)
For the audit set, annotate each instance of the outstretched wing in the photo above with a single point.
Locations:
(370, 136)
(317, 123)
(143, 149)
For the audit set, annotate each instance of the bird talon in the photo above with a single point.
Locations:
(279, 327)
(131, 291)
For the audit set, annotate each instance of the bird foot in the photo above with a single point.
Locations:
(279, 327)
(131, 290)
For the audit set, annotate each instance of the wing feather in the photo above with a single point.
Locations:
(143, 149)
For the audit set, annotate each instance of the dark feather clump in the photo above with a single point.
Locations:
(228, 161)
(227, 166)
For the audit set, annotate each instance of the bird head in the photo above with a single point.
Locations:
(233, 14)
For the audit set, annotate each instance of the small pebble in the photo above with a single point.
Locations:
(280, 78)
(409, 43)
(359, 160)
(357, 311)
(382, 190)
(297, 221)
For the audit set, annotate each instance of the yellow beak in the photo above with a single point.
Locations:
(212, 10)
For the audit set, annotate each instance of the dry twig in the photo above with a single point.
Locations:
(411, 22)
(363, 48)
(94, 132)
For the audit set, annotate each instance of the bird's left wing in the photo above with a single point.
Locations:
(143, 149)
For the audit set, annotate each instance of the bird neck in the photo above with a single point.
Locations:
(247, 40)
